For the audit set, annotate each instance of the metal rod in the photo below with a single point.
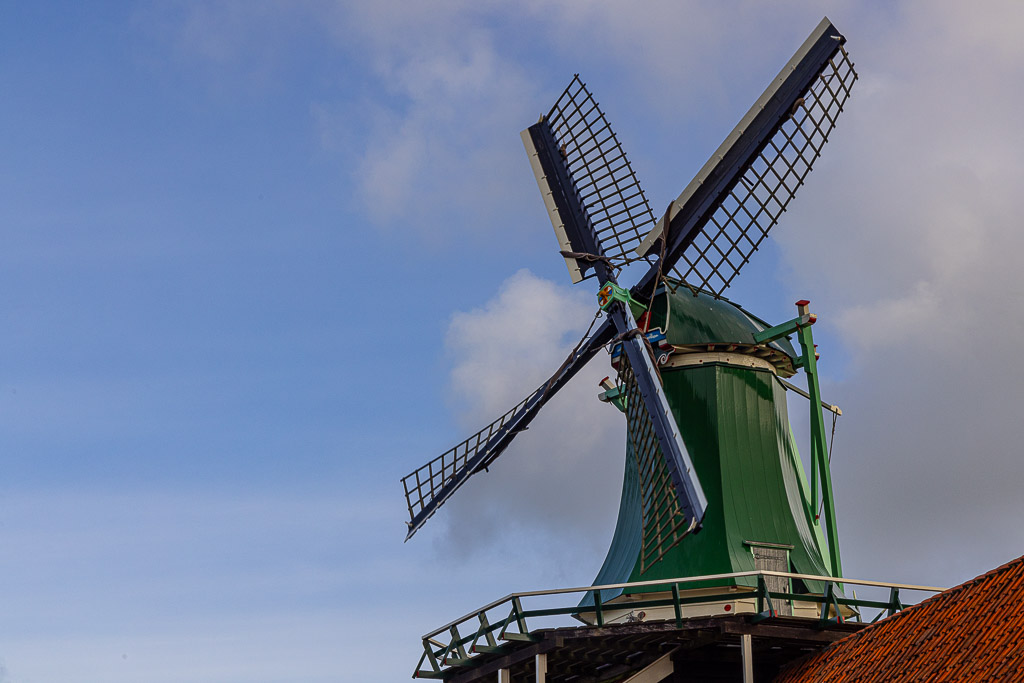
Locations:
(792, 387)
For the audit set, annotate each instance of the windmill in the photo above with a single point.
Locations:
(713, 482)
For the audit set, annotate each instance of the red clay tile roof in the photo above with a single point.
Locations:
(974, 632)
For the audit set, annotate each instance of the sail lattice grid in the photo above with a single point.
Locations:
(662, 519)
(756, 201)
(424, 484)
(603, 178)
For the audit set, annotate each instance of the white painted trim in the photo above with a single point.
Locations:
(575, 273)
(741, 360)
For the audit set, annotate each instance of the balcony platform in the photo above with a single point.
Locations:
(691, 629)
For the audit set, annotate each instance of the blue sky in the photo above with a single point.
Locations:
(261, 259)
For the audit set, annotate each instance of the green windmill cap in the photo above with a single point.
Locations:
(701, 322)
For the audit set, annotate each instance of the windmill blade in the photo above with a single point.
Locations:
(428, 487)
(726, 211)
(589, 187)
(663, 520)
(582, 174)
(658, 444)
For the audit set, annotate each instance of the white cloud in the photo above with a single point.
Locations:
(444, 141)
(558, 484)
(871, 328)
(506, 349)
(450, 146)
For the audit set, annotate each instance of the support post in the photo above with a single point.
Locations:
(747, 653)
(504, 676)
(894, 601)
(819, 444)
(541, 661)
(428, 654)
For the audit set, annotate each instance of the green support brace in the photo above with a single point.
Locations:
(894, 601)
(785, 329)
(485, 631)
(455, 645)
(820, 471)
(428, 655)
(517, 615)
(828, 603)
(616, 396)
(765, 606)
(819, 445)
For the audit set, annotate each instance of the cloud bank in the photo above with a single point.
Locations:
(558, 483)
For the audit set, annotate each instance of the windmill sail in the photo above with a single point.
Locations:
(664, 521)
(429, 486)
(615, 213)
(723, 215)
(564, 173)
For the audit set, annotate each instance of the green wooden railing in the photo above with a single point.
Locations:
(499, 625)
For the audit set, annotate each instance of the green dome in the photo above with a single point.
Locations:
(700, 322)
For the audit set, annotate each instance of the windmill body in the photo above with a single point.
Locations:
(732, 411)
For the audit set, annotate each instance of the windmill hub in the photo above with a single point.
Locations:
(690, 327)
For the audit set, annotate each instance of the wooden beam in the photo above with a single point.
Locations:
(541, 665)
(747, 653)
(508, 661)
(801, 633)
(655, 672)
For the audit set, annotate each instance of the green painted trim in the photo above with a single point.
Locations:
(611, 292)
(616, 396)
